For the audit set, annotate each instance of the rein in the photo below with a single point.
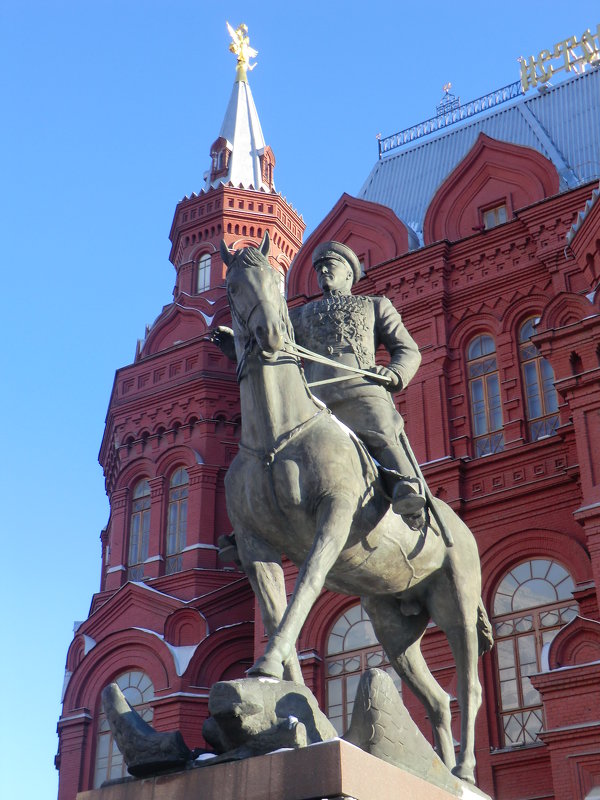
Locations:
(268, 456)
(310, 355)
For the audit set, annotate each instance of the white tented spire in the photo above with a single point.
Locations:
(240, 156)
(242, 136)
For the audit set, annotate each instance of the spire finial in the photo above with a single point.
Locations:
(240, 45)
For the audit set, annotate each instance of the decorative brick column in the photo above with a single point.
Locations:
(200, 550)
(73, 735)
(116, 569)
(153, 565)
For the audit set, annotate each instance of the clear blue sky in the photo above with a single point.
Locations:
(109, 112)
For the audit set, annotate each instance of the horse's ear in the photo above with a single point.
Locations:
(265, 245)
(225, 254)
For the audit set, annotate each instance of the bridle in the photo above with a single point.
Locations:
(250, 339)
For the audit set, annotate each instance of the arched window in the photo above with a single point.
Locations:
(139, 531)
(203, 279)
(177, 520)
(533, 601)
(352, 647)
(538, 379)
(139, 692)
(484, 391)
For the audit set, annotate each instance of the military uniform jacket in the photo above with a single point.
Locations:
(349, 329)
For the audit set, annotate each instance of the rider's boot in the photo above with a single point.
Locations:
(408, 500)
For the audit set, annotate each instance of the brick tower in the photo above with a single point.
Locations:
(169, 620)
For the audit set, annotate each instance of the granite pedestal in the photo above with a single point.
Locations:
(326, 771)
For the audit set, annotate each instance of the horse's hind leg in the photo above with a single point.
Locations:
(458, 620)
(400, 637)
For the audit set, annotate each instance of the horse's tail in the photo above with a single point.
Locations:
(485, 637)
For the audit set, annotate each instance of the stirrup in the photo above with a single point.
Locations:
(408, 497)
(416, 522)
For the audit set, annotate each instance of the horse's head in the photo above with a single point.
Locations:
(257, 307)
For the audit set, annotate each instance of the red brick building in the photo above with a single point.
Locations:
(487, 237)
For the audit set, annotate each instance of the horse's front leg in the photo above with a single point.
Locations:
(334, 518)
(262, 565)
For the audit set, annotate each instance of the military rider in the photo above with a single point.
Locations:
(348, 329)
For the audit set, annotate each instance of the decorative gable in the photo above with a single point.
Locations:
(494, 180)
(178, 324)
(577, 643)
(564, 309)
(133, 605)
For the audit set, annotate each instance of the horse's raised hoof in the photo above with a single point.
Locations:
(266, 667)
(464, 773)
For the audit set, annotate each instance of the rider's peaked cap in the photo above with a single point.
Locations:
(338, 249)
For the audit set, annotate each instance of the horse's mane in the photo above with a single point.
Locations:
(250, 257)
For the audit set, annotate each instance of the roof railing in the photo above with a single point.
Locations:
(450, 118)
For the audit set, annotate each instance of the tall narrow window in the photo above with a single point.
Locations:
(538, 378)
(203, 280)
(484, 390)
(139, 692)
(177, 520)
(139, 531)
(352, 648)
(533, 601)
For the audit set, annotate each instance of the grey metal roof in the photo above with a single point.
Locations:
(563, 124)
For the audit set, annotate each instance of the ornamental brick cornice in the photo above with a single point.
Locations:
(157, 487)
(118, 498)
(212, 204)
(204, 474)
(564, 736)
(74, 719)
(436, 254)
(513, 473)
(566, 678)
(528, 755)
(590, 517)
(194, 583)
(538, 214)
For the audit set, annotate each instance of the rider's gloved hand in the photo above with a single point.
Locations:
(222, 336)
(394, 383)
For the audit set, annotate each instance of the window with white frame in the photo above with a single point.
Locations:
(177, 520)
(203, 274)
(532, 602)
(139, 693)
(541, 397)
(352, 648)
(494, 216)
(484, 392)
(139, 531)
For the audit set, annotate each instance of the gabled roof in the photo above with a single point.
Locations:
(562, 124)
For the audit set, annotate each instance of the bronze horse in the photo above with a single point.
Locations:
(302, 486)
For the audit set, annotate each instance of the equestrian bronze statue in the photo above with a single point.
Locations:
(302, 485)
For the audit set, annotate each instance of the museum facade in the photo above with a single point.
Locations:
(485, 234)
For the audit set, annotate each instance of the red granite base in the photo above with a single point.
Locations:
(329, 770)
